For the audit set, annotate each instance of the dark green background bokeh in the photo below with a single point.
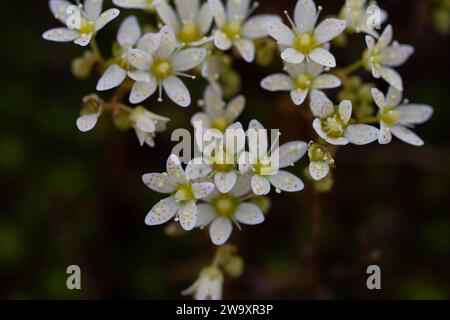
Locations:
(72, 198)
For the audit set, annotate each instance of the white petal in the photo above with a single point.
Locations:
(177, 91)
(142, 90)
(60, 35)
(205, 214)
(225, 181)
(370, 42)
(139, 76)
(318, 170)
(379, 98)
(221, 40)
(320, 105)
(415, 113)
(218, 11)
(395, 55)
(345, 110)
(277, 82)
(385, 38)
(188, 215)
(260, 185)
(289, 153)
(140, 59)
(159, 182)
(407, 136)
(84, 39)
(87, 122)
(59, 9)
(292, 56)
(188, 59)
(168, 15)
(329, 29)
(196, 168)
(243, 186)
(167, 44)
(286, 181)
(237, 9)
(255, 27)
(132, 4)
(385, 136)
(246, 49)
(280, 32)
(202, 119)
(202, 190)
(105, 18)
(162, 212)
(361, 134)
(235, 108)
(205, 18)
(174, 168)
(129, 32)
(323, 57)
(317, 125)
(187, 9)
(326, 81)
(220, 230)
(248, 213)
(305, 15)
(149, 42)
(145, 124)
(392, 77)
(394, 97)
(92, 9)
(112, 78)
(298, 96)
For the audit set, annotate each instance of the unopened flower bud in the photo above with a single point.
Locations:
(234, 266)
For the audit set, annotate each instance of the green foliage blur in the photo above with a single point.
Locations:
(73, 198)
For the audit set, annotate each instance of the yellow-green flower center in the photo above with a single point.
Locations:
(303, 81)
(86, 26)
(232, 29)
(390, 116)
(334, 126)
(263, 167)
(220, 123)
(225, 205)
(162, 69)
(305, 43)
(122, 59)
(184, 193)
(189, 33)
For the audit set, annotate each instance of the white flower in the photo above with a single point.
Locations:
(357, 15)
(147, 124)
(300, 80)
(304, 40)
(207, 286)
(217, 114)
(234, 28)
(332, 123)
(137, 4)
(263, 164)
(381, 56)
(221, 210)
(184, 194)
(191, 22)
(127, 37)
(91, 21)
(320, 162)
(396, 119)
(91, 111)
(159, 63)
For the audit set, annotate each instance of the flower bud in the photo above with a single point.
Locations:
(81, 67)
(234, 266)
(262, 202)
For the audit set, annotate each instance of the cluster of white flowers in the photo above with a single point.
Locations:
(220, 189)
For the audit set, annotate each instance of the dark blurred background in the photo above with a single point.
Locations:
(72, 198)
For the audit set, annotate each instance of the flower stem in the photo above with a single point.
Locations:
(97, 52)
(370, 120)
(353, 67)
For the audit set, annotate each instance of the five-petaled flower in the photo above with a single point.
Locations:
(184, 194)
(320, 161)
(235, 28)
(208, 286)
(222, 210)
(263, 164)
(332, 123)
(304, 40)
(396, 119)
(146, 124)
(190, 22)
(360, 19)
(82, 22)
(381, 56)
(300, 80)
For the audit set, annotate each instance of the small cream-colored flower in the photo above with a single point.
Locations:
(396, 119)
(127, 37)
(208, 286)
(303, 40)
(137, 4)
(333, 123)
(91, 111)
(146, 124)
(184, 194)
(357, 15)
(91, 20)
(235, 28)
(320, 161)
(382, 56)
(222, 210)
(190, 22)
(159, 64)
(300, 80)
(263, 164)
(217, 114)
